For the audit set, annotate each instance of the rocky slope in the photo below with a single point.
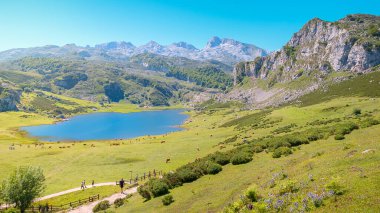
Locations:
(227, 51)
(350, 44)
(9, 97)
(316, 53)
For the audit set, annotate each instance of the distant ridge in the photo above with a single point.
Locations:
(224, 50)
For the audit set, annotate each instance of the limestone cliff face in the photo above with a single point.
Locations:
(9, 98)
(350, 44)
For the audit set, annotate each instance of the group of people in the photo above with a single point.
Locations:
(83, 185)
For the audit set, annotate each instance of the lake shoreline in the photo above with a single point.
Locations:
(166, 129)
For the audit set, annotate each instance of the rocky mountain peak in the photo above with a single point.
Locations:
(113, 45)
(213, 42)
(184, 45)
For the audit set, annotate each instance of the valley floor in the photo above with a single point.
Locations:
(354, 160)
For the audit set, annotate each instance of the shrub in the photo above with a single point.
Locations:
(357, 111)
(261, 207)
(252, 195)
(281, 151)
(339, 137)
(102, 205)
(288, 187)
(213, 168)
(11, 210)
(369, 122)
(187, 175)
(241, 158)
(335, 187)
(158, 187)
(257, 149)
(167, 200)
(221, 158)
(144, 192)
(118, 202)
(345, 128)
(173, 180)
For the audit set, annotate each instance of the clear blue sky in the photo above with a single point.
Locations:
(266, 23)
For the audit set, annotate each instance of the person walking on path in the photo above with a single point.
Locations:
(93, 183)
(82, 185)
(121, 184)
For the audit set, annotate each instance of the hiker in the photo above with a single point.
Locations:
(121, 184)
(93, 183)
(82, 185)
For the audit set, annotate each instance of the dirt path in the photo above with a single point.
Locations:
(73, 190)
(88, 207)
(66, 192)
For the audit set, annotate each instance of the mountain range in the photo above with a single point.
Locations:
(224, 50)
(320, 54)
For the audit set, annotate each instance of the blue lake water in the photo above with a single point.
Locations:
(103, 126)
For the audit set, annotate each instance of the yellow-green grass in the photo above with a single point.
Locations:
(64, 200)
(226, 187)
(333, 160)
(66, 167)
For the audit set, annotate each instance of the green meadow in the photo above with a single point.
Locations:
(214, 127)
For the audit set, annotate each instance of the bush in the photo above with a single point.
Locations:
(345, 128)
(241, 158)
(252, 195)
(102, 205)
(173, 180)
(144, 192)
(167, 200)
(357, 112)
(118, 202)
(339, 137)
(369, 122)
(11, 210)
(213, 168)
(257, 149)
(187, 175)
(335, 187)
(158, 187)
(288, 187)
(220, 158)
(281, 151)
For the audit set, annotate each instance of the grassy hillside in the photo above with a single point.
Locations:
(366, 85)
(310, 168)
(297, 154)
(99, 81)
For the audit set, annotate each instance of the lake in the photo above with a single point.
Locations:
(104, 126)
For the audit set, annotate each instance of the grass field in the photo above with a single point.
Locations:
(323, 159)
(64, 200)
(66, 164)
(66, 167)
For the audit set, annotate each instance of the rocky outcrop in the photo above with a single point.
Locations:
(70, 80)
(9, 98)
(114, 92)
(350, 44)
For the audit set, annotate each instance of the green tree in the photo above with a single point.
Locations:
(23, 186)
